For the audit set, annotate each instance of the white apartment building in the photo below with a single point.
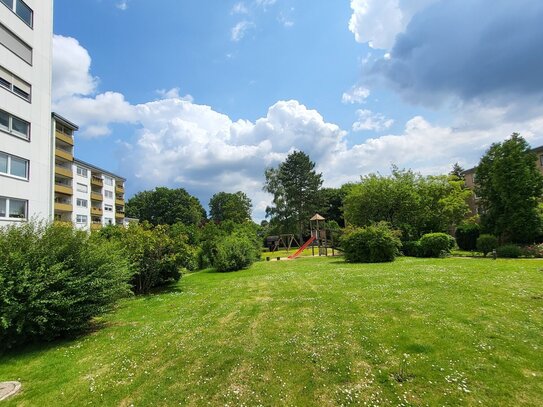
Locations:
(26, 155)
(87, 196)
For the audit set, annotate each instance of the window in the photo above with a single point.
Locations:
(82, 203)
(108, 181)
(82, 172)
(82, 188)
(20, 8)
(108, 194)
(15, 45)
(108, 221)
(11, 165)
(14, 125)
(23, 11)
(81, 219)
(14, 84)
(108, 208)
(11, 208)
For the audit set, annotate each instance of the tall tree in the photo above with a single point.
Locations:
(509, 186)
(457, 171)
(331, 204)
(165, 206)
(294, 185)
(236, 207)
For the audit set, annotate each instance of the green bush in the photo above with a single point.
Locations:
(412, 248)
(486, 243)
(54, 280)
(371, 244)
(234, 253)
(436, 244)
(157, 254)
(509, 251)
(466, 236)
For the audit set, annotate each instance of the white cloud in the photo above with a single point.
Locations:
(72, 62)
(240, 29)
(94, 113)
(178, 143)
(265, 3)
(377, 22)
(173, 93)
(369, 121)
(122, 5)
(357, 94)
(286, 21)
(239, 8)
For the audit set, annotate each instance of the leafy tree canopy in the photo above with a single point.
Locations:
(510, 186)
(165, 206)
(236, 207)
(408, 201)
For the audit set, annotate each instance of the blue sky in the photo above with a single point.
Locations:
(206, 94)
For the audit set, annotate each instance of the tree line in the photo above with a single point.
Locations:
(508, 189)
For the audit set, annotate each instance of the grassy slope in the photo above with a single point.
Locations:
(309, 332)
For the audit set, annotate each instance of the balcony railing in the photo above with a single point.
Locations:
(96, 196)
(64, 137)
(65, 171)
(63, 188)
(96, 211)
(97, 181)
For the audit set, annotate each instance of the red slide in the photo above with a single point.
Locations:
(301, 249)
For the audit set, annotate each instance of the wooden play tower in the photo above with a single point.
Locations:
(320, 236)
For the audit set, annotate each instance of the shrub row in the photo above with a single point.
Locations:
(54, 280)
(429, 245)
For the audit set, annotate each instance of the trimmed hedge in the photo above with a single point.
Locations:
(54, 280)
(372, 244)
(436, 244)
(466, 236)
(509, 251)
(486, 243)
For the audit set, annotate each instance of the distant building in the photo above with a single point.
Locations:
(84, 194)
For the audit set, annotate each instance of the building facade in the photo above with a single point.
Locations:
(84, 194)
(26, 148)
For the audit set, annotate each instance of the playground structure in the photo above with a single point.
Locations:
(286, 242)
(321, 238)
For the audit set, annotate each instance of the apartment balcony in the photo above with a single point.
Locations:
(119, 189)
(119, 201)
(67, 155)
(63, 189)
(67, 139)
(63, 207)
(96, 211)
(119, 215)
(95, 196)
(66, 172)
(96, 225)
(97, 181)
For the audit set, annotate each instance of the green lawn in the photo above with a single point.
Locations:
(314, 331)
